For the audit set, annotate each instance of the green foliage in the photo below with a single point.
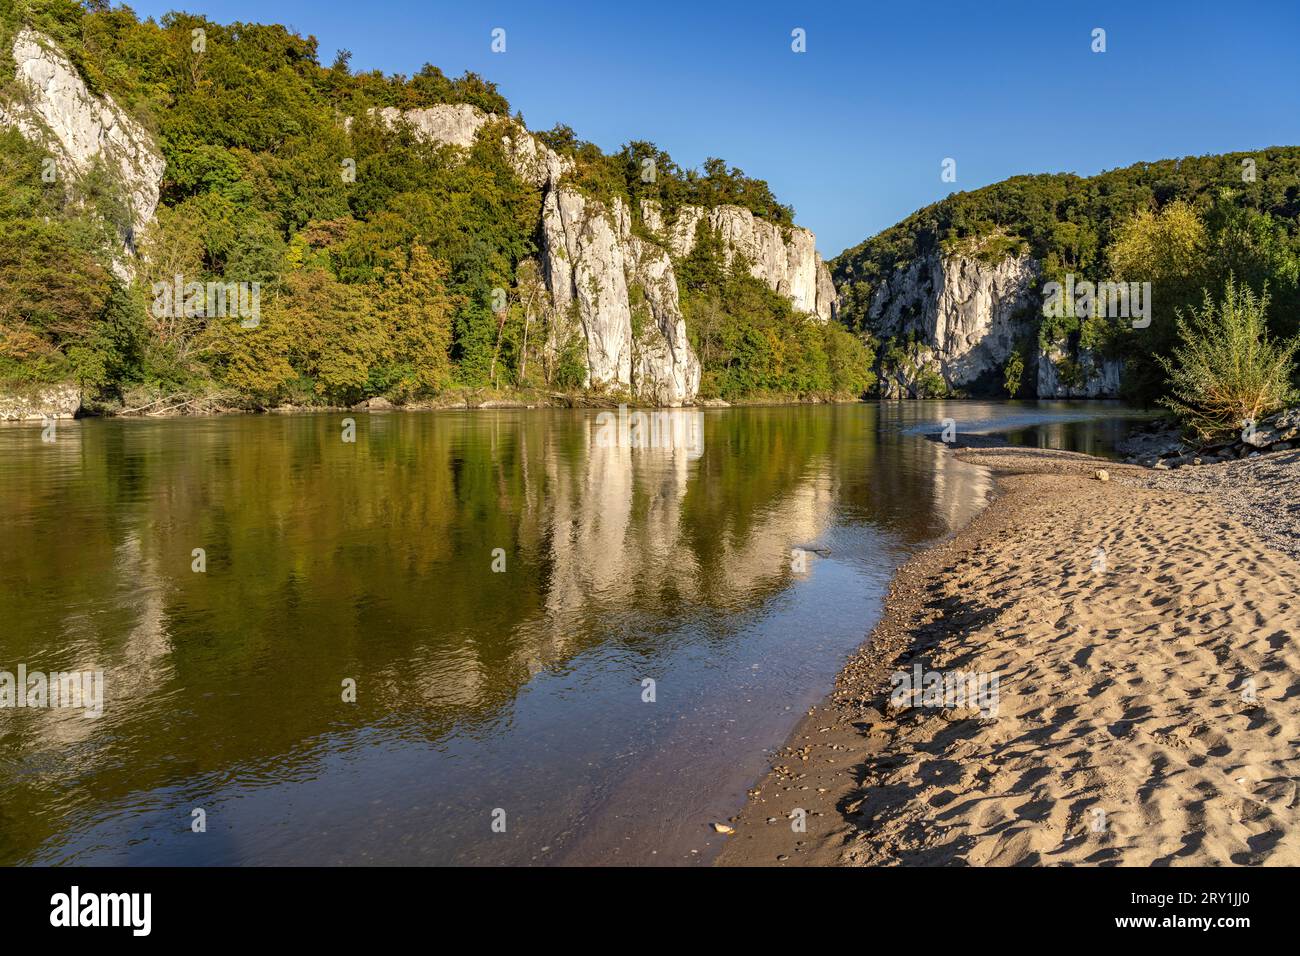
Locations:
(62, 314)
(641, 170)
(750, 341)
(1227, 370)
(1013, 374)
(909, 364)
(386, 282)
(1181, 225)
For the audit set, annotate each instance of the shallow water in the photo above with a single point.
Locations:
(482, 695)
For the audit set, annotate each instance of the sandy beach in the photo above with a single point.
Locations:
(1142, 633)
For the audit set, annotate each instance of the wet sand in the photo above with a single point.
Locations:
(1148, 702)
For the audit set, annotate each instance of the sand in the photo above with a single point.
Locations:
(1148, 705)
(1263, 493)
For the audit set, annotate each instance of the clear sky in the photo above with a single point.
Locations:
(853, 131)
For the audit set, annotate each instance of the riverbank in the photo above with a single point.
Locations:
(66, 402)
(1142, 637)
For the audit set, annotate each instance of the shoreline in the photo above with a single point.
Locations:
(23, 409)
(18, 410)
(1146, 711)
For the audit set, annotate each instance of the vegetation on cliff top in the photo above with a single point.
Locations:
(377, 284)
(1183, 225)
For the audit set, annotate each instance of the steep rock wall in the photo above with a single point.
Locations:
(968, 316)
(55, 109)
(969, 313)
(1095, 376)
(37, 404)
(621, 288)
(786, 259)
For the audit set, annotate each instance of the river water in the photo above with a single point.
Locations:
(566, 647)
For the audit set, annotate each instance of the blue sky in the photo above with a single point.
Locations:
(852, 132)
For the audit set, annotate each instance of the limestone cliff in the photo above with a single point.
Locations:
(41, 402)
(786, 259)
(54, 108)
(970, 314)
(957, 319)
(1084, 375)
(618, 287)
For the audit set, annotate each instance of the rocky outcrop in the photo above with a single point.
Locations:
(620, 288)
(665, 369)
(785, 258)
(626, 297)
(914, 374)
(452, 124)
(972, 315)
(54, 107)
(1086, 375)
(963, 317)
(584, 260)
(53, 401)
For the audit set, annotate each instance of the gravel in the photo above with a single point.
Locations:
(1262, 493)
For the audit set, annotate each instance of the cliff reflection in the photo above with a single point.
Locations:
(440, 561)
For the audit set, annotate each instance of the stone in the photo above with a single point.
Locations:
(1261, 437)
(1286, 423)
(1101, 474)
(785, 259)
(38, 404)
(969, 315)
(600, 275)
(448, 124)
(1100, 376)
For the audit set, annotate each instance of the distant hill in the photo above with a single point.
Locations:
(1181, 224)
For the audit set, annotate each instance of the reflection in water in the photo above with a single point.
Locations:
(518, 688)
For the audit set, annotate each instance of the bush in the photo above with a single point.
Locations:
(1227, 370)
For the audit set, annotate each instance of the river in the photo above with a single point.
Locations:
(487, 637)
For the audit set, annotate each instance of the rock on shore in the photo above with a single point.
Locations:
(1164, 446)
(52, 401)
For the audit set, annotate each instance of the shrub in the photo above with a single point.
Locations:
(1227, 370)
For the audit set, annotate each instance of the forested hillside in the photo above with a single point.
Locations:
(378, 255)
(1184, 225)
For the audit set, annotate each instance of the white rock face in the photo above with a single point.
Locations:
(451, 124)
(1100, 377)
(969, 313)
(906, 379)
(54, 401)
(626, 295)
(588, 242)
(458, 124)
(593, 265)
(55, 108)
(969, 316)
(785, 259)
(533, 162)
(665, 369)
